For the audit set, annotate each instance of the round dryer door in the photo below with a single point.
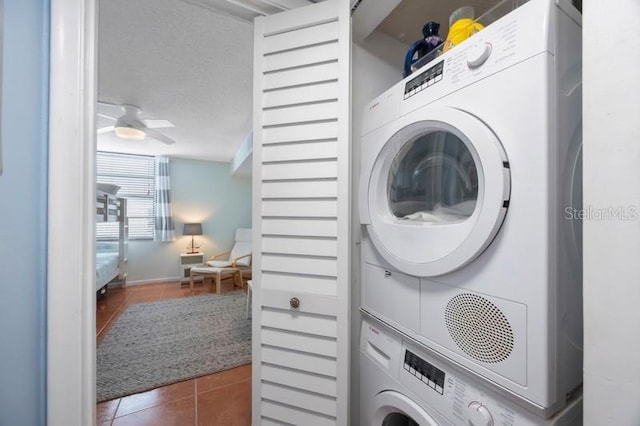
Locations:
(438, 192)
(395, 409)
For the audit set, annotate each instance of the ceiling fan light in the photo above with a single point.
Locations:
(130, 133)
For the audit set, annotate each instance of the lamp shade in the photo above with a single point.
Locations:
(126, 130)
(192, 229)
(130, 133)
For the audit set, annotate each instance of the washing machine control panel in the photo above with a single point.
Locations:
(461, 399)
(427, 78)
(424, 371)
(391, 362)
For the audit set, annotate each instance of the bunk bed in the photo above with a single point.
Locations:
(111, 256)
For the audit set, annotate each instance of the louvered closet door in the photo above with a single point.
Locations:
(301, 216)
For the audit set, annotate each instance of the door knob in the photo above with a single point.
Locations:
(294, 302)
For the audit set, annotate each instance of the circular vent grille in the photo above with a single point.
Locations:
(479, 328)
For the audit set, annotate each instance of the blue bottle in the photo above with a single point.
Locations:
(423, 47)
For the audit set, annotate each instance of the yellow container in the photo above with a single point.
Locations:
(461, 27)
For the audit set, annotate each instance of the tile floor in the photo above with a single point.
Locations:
(222, 398)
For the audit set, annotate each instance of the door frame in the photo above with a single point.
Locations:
(71, 334)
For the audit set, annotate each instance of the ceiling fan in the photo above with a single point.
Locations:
(128, 124)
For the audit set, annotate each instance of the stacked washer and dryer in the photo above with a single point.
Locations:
(472, 264)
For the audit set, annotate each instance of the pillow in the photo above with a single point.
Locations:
(109, 188)
(219, 263)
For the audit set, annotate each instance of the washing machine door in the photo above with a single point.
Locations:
(395, 409)
(437, 192)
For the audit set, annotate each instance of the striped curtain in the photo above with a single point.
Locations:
(164, 229)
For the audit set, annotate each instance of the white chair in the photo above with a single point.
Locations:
(239, 257)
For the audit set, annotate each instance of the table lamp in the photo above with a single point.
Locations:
(192, 229)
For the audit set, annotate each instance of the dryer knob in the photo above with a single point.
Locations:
(478, 54)
(479, 415)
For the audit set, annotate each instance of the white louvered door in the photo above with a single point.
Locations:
(301, 162)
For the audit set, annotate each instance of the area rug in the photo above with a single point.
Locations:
(158, 343)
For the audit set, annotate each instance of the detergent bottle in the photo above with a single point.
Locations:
(461, 27)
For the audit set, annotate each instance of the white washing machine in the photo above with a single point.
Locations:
(402, 384)
(470, 185)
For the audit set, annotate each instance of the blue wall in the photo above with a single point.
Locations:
(201, 191)
(23, 213)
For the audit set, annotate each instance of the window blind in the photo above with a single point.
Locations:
(135, 175)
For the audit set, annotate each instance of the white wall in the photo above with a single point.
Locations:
(611, 179)
(376, 66)
(242, 160)
(201, 191)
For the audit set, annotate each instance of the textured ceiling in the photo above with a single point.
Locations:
(179, 62)
(405, 22)
(190, 62)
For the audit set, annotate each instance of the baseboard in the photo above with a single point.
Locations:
(152, 281)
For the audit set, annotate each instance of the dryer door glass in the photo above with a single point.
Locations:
(433, 179)
(398, 419)
(437, 192)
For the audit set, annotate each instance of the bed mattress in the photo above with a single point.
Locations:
(106, 268)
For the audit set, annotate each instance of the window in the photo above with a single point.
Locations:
(135, 175)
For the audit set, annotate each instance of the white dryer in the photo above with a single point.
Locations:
(402, 384)
(471, 177)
